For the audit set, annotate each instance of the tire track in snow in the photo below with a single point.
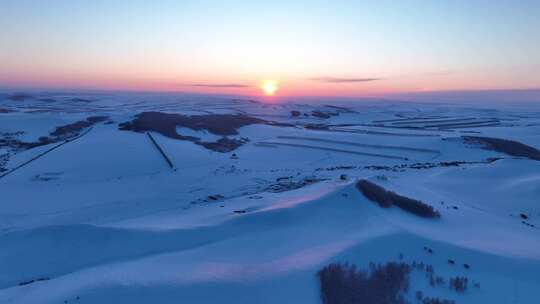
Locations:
(400, 148)
(273, 143)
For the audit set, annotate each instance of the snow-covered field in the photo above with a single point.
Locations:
(95, 214)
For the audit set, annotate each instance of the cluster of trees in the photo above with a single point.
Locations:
(343, 283)
(386, 199)
(380, 284)
(506, 146)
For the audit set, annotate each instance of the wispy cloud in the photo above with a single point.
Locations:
(343, 80)
(440, 73)
(218, 85)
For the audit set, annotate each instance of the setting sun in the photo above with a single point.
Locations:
(269, 87)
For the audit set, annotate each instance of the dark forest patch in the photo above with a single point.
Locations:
(341, 109)
(3, 111)
(165, 123)
(381, 284)
(19, 97)
(386, 199)
(319, 127)
(74, 128)
(218, 124)
(77, 99)
(224, 144)
(60, 133)
(323, 114)
(506, 146)
(343, 283)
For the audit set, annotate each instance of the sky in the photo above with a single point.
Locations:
(308, 47)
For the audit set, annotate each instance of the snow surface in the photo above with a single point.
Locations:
(104, 219)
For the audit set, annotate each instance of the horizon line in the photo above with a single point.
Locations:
(175, 91)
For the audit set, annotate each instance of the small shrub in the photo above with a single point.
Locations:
(431, 280)
(428, 300)
(458, 284)
(429, 250)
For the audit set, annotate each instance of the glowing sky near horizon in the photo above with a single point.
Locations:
(309, 47)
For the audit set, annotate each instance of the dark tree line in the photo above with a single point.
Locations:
(386, 199)
(380, 284)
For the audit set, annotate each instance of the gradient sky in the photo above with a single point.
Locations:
(310, 47)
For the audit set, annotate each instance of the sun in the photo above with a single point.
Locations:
(269, 87)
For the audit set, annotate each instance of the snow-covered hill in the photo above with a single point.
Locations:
(260, 197)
